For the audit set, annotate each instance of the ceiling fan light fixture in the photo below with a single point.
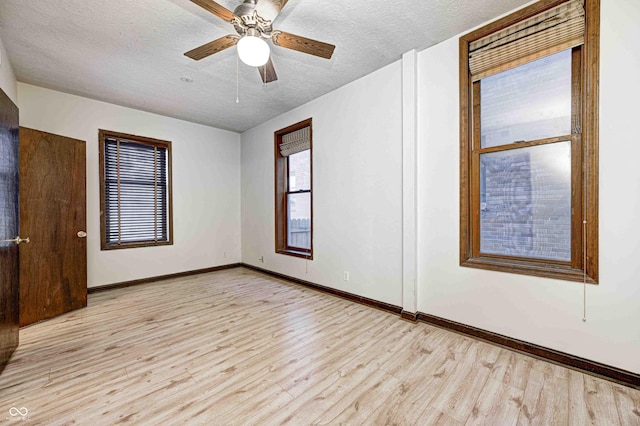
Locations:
(253, 50)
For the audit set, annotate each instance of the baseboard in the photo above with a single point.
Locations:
(594, 368)
(123, 284)
(409, 316)
(343, 294)
(604, 371)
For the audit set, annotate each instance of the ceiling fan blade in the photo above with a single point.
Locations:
(212, 47)
(303, 44)
(218, 10)
(267, 72)
(270, 9)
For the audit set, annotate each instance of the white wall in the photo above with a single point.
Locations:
(358, 206)
(8, 82)
(542, 311)
(206, 184)
(357, 177)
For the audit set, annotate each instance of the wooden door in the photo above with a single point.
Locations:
(9, 285)
(53, 266)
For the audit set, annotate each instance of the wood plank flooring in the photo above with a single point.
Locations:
(238, 347)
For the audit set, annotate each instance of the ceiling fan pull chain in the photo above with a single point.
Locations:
(237, 79)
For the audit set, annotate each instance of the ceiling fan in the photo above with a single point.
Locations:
(253, 22)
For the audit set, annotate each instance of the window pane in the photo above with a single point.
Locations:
(529, 102)
(299, 220)
(300, 171)
(527, 202)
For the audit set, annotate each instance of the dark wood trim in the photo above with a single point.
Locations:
(281, 188)
(343, 294)
(594, 368)
(577, 161)
(474, 169)
(591, 131)
(525, 144)
(133, 138)
(561, 264)
(296, 253)
(131, 283)
(409, 316)
(465, 152)
(528, 268)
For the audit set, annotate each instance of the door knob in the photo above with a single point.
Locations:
(18, 240)
(81, 234)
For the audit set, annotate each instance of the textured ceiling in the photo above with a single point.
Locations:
(130, 52)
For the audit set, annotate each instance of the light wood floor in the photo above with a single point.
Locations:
(238, 347)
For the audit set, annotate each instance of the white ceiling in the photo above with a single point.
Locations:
(130, 52)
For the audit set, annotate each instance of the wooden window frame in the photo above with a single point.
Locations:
(281, 191)
(103, 135)
(584, 149)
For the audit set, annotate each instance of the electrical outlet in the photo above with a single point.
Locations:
(261, 259)
(345, 275)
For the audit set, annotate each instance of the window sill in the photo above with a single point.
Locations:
(134, 245)
(526, 268)
(295, 253)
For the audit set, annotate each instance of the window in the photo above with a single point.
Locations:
(294, 206)
(529, 142)
(135, 191)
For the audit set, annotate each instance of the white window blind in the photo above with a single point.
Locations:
(136, 192)
(295, 142)
(559, 28)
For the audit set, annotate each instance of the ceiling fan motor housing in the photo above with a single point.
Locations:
(246, 8)
(249, 16)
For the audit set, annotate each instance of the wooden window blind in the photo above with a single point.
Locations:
(553, 30)
(136, 191)
(294, 142)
